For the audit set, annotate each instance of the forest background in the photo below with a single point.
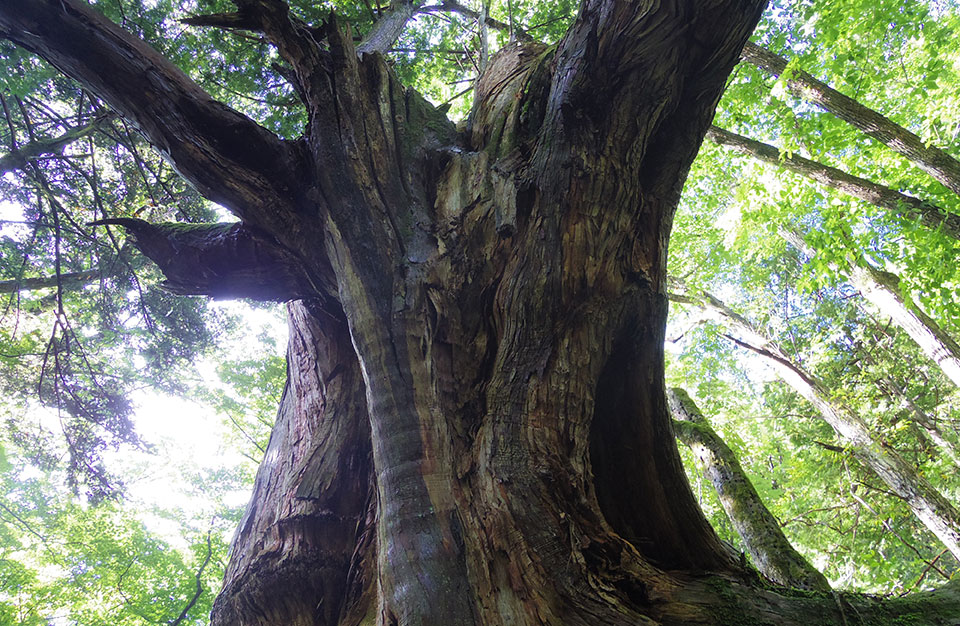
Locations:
(118, 502)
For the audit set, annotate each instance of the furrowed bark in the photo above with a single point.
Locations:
(770, 550)
(901, 205)
(882, 289)
(930, 507)
(302, 552)
(930, 159)
(498, 320)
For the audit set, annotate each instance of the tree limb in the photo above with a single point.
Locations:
(769, 548)
(227, 156)
(199, 590)
(899, 204)
(17, 159)
(930, 159)
(228, 260)
(69, 279)
(451, 6)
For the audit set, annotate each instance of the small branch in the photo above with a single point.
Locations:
(199, 591)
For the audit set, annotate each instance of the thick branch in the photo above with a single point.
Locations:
(769, 548)
(228, 157)
(388, 28)
(71, 279)
(930, 159)
(222, 260)
(899, 204)
(19, 158)
(451, 6)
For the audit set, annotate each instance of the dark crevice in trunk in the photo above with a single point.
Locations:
(639, 482)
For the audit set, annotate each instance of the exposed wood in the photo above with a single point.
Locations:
(485, 366)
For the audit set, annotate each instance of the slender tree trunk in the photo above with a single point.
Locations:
(928, 427)
(882, 289)
(930, 507)
(930, 159)
(768, 547)
(900, 205)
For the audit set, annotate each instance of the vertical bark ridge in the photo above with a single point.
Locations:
(294, 551)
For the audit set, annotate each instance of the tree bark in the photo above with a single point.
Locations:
(769, 548)
(930, 507)
(900, 205)
(478, 362)
(882, 289)
(930, 159)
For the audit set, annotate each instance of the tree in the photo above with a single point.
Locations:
(769, 548)
(476, 355)
(931, 507)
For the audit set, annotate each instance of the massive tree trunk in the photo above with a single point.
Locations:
(474, 428)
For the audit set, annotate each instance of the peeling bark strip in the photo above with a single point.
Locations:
(929, 505)
(882, 289)
(901, 205)
(478, 361)
(930, 159)
(769, 548)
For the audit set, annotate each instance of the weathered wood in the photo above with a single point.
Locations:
(474, 429)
